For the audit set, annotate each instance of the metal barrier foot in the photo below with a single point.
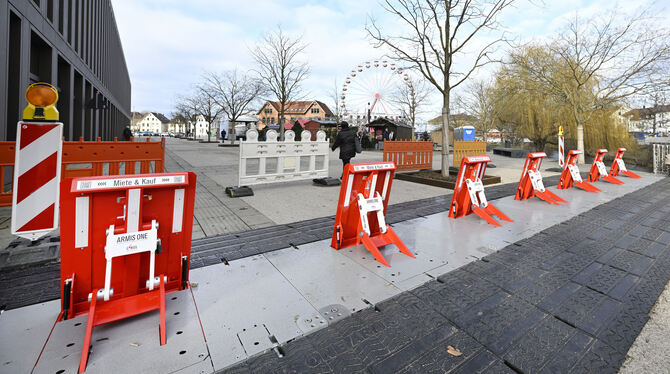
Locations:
(549, 197)
(612, 180)
(484, 215)
(89, 330)
(395, 240)
(631, 174)
(372, 248)
(586, 186)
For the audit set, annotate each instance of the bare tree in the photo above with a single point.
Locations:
(201, 103)
(604, 60)
(233, 92)
(411, 98)
(280, 68)
(186, 111)
(479, 101)
(439, 32)
(336, 96)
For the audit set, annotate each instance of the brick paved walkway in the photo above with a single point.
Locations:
(572, 298)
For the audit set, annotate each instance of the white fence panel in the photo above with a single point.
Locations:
(273, 161)
(661, 151)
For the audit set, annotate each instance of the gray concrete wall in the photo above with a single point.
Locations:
(74, 45)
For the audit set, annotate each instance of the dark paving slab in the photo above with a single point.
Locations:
(571, 299)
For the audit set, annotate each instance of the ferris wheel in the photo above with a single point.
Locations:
(369, 90)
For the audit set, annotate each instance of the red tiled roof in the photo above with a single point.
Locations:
(299, 107)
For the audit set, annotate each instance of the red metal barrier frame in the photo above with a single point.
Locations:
(619, 166)
(531, 183)
(570, 175)
(134, 211)
(469, 194)
(364, 195)
(598, 169)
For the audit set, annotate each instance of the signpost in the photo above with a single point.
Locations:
(37, 165)
(561, 147)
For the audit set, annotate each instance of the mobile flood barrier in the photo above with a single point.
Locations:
(275, 161)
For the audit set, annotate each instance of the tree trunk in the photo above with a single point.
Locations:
(445, 134)
(209, 131)
(281, 124)
(580, 141)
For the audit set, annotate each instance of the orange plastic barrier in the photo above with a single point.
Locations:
(570, 175)
(88, 159)
(469, 194)
(125, 243)
(598, 169)
(364, 196)
(619, 166)
(531, 181)
(409, 155)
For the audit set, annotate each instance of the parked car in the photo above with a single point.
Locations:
(241, 132)
(146, 133)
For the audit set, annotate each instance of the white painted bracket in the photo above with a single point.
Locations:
(373, 204)
(601, 168)
(536, 180)
(574, 172)
(622, 165)
(128, 244)
(476, 191)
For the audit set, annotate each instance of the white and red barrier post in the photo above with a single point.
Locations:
(561, 147)
(37, 165)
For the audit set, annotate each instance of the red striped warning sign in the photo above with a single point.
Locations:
(36, 179)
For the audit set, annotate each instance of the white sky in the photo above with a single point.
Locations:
(168, 44)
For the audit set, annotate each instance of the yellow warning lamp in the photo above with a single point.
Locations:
(42, 98)
(560, 130)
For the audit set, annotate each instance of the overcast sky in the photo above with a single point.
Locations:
(168, 44)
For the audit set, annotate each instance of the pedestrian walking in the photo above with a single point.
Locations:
(127, 134)
(223, 135)
(346, 142)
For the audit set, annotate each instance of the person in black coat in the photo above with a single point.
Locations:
(346, 141)
(127, 134)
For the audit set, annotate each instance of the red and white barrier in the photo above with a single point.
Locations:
(570, 175)
(36, 179)
(598, 169)
(531, 183)
(619, 166)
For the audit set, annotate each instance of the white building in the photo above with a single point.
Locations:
(200, 128)
(643, 120)
(150, 122)
(177, 127)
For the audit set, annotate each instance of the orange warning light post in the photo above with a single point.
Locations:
(42, 98)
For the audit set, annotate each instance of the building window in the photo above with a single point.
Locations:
(268, 111)
(315, 110)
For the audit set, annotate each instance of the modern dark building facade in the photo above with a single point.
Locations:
(74, 45)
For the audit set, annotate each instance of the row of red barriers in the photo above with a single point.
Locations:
(82, 158)
(141, 224)
(366, 188)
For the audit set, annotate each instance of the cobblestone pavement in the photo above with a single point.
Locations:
(572, 298)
